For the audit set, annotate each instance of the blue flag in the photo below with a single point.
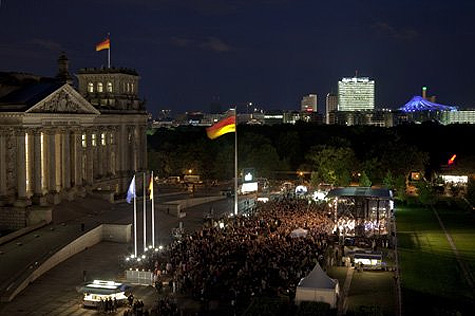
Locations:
(131, 191)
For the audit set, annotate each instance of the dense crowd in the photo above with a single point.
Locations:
(240, 257)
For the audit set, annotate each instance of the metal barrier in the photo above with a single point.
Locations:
(139, 277)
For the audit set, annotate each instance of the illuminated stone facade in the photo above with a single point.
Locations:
(58, 144)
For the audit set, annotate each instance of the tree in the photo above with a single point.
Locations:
(288, 147)
(332, 165)
(364, 180)
(400, 187)
(257, 151)
(470, 195)
(426, 193)
(373, 168)
(388, 180)
(402, 158)
(314, 179)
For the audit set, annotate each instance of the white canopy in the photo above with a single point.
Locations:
(318, 287)
(299, 232)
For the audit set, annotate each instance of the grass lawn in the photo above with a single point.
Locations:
(430, 278)
(338, 273)
(461, 226)
(373, 289)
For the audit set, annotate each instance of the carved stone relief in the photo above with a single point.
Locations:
(61, 102)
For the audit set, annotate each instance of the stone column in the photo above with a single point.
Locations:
(122, 150)
(66, 160)
(31, 163)
(133, 149)
(90, 159)
(51, 144)
(21, 169)
(37, 168)
(109, 165)
(77, 157)
(100, 154)
(3, 166)
(37, 188)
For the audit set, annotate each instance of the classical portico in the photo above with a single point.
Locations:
(55, 145)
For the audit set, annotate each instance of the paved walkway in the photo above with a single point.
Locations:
(25, 253)
(343, 302)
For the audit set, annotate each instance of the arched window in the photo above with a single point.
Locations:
(90, 87)
(132, 87)
(100, 88)
(128, 87)
(109, 86)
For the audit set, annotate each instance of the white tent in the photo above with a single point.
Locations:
(299, 232)
(318, 287)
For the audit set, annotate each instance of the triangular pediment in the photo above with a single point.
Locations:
(64, 100)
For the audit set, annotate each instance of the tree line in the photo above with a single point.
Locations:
(331, 154)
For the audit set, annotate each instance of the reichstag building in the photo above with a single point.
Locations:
(59, 142)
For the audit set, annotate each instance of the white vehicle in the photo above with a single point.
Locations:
(192, 178)
(95, 291)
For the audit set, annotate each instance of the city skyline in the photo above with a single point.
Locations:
(270, 53)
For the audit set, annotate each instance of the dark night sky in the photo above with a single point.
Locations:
(269, 52)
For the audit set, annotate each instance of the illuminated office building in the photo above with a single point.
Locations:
(309, 103)
(331, 108)
(355, 94)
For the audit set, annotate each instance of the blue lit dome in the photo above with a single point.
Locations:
(418, 104)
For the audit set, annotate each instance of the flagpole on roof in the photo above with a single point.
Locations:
(144, 214)
(135, 221)
(153, 210)
(235, 164)
(109, 51)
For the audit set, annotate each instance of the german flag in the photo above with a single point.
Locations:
(150, 187)
(224, 126)
(105, 44)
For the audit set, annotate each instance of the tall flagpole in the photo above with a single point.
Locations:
(153, 212)
(135, 221)
(109, 51)
(144, 214)
(235, 164)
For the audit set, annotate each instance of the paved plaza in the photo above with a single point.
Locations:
(55, 292)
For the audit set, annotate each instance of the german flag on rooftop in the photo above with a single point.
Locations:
(224, 126)
(105, 44)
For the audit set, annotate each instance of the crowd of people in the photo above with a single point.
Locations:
(237, 258)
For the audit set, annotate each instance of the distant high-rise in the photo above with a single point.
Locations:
(355, 94)
(309, 103)
(330, 108)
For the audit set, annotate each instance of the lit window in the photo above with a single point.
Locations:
(109, 87)
(128, 87)
(100, 87)
(132, 87)
(90, 87)
(103, 139)
(83, 141)
(94, 140)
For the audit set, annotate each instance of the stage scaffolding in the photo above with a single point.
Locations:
(361, 211)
